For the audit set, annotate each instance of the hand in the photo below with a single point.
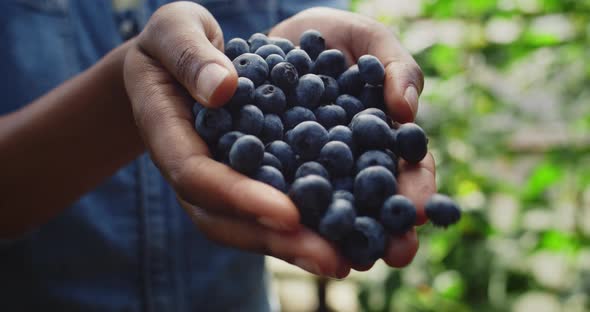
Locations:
(178, 58)
(357, 35)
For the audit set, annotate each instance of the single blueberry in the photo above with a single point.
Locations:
(372, 96)
(271, 176)
(337, 158)
(442, 210)
(243, 95)
(342, 134)
(257, 40)
(296, 115)
(225, 143)
(251, 66)
(370, 132)
(308, 92)
(300, 60)
(246, 154)
(212, 123)
(272, 60)
(285, 76)
(285, 44)
(411, 143)
(270, 99)
(330, 63)
(376, 158)
(366, 243)
(249, 120)
(342, 194)
(371, 111)
(330, 115)
(372, 186)
(312, 42)
(272, 128)
(236, 47)
(307, 139)
(331, 89)
(371, 69)
(338, 220)
(311, 167)
(269, 49)
(311, 195)
(343, 184)
(350, 104)
(285, 154)
(196, 109)
(350, 81)
(271, 160)
(398, 214)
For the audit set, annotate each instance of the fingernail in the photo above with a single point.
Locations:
(308, 266)
(268, 222)
(210, 77)
(411, 97)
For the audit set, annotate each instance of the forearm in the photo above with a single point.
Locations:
(64, 144)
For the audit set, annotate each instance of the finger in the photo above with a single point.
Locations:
(417, 182)
(302, 248)
(401, 249)
(185, 38)
(162, 113)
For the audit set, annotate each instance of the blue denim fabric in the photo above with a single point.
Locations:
(127, 245)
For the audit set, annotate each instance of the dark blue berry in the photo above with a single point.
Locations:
(296, 115)
(371, 111)
(270, 99)
(311, 195)
(330, 63)
(371, 70)
(331, 89)
(251, 66)
(312, 42)
(372, 186)
(271, 176)
(243, 95)
(350, 81)
(249, 120)
(311, 167)
(269, 49)
(350, 104)
(211, 124)
(307, 139)
(337, 158)
(342, 194)
(271, 160)
(366, 243)
(197, 108)
(285, 44)
(342, 134)
(283, 152)
(225, 143)
(272, 128)
(343, 183)
(376, 158)
(300, 60)
(236, 47)
(372, 96)
(330, 116)
(442, 210)
(285, 76)
(272, 60)
(370, 132)
(308, 91)
(411, 143)
(257, 40)
(398, 214)
(246, 154)
(338, 220)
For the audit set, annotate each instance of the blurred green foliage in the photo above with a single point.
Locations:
(506, 109)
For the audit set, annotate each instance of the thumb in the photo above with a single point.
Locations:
(187, 40)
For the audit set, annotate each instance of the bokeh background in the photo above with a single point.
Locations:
(507, 109)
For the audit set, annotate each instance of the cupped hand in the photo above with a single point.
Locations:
(356, 35)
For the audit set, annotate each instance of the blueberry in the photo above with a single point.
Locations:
(411, 143)
(212, 123)
(270, 99)
(372, 96)
(311, 167)
(366, 243)
(285, 44)
(371, 70)
(398, 214)
(442, 210)
(249, 120)
(307, 139)
(331, 89)
(272, 128)
(342, 194)
(337, 158)
(300, 60)
(296, 115)
(372, 186)
(371, 111)
(246, 154)
(225, 143)
(269, 49)
(350, 104)
(243, 95)
(271, 160)
(370, 132)
(251, 66)
(338, 220)
(330, 63)
(311, 195)
(343, 183)
(308, 91)
(272, 60)
(330, 115)
(257, 40)
(285, 76)
(283, 152)
(197, 108)
(350, 81)
(376, 158)
(271, 176)
(236, 47)
(312, 42)
(342, 134)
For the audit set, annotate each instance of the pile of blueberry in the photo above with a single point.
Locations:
(308, 125)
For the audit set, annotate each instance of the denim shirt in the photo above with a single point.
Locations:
(126, 245)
